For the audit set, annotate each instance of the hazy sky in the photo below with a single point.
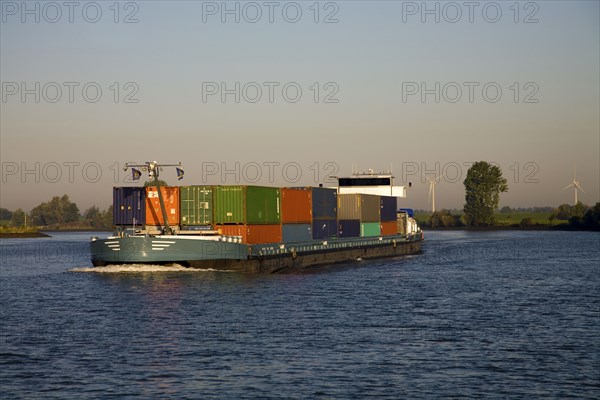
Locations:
(294, 91)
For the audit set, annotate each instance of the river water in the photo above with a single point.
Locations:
(479, 315)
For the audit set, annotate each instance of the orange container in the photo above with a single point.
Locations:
(153, 212)
(252, 234)
(296, 206)
(388, 228)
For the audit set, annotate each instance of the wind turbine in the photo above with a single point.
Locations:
(575, 184)
(432, 183)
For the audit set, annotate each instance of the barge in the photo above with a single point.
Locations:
(213, 247)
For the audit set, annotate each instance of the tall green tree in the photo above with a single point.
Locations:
(483, 185)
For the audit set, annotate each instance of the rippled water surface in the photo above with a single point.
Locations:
(479, 315)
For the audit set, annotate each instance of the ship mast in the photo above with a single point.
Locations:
(154, 169)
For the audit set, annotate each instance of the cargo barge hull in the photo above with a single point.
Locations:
(229, 255)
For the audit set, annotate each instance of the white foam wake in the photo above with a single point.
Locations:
(142, 268)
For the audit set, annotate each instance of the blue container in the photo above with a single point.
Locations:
(409, 211)
(388, 208)
(296, 233)
(348, 228)
(324, 203)
(323, 229)
(129, 203)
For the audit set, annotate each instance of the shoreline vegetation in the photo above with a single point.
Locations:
(563, 218)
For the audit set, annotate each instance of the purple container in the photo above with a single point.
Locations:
(324, 229)
(129, 203)
(388, 208)
(348, 228)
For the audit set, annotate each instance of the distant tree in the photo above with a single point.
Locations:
(506, 210)
(94, 216)
(18, 218)
(591, 218)
(5, 213)
(483, 185)
(577, 213)
(57, 211)
(563, 212)
(107, 218)
(527, 222)
(444, 218)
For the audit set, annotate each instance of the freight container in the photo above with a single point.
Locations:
(349, 206)
(263, 205)
(296, 206)
(370, 208)
(296, 232)
(229, 205)
(348, 228)
(324, 203)
(252, 234)
(401, 222)
(389, 204)
(324, 229)
(389, 228)
(129, 206)
(170, 195)
(246, 205)
(364, 207)
(370, 229)
(196, 205)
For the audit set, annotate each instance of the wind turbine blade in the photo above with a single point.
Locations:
(570, 184)
(579, 187)
(440, 176)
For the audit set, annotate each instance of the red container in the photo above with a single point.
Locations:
(296, 206)
(388, 228)
(252, 234)
(153, 212)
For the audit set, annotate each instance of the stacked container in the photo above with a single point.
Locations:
(196, 207)
(252, 234)
(170, 197)
(359, 215)
(389, 205)
(324, 213)
(246, 205)
(296, 214)
(129, 206)
(256, 209)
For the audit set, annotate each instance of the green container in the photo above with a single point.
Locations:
(229, 205)
(370, 229)
(246, 205)
(196, 206)
(263, 205)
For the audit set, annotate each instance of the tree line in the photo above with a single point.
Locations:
(484, 183)
(60, 211)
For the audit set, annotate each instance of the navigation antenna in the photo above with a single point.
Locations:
(153, 168)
